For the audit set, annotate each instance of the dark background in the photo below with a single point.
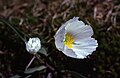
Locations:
(43, 17)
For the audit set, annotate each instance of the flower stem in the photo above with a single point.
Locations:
(41, 61)
(8, 24)
(30, 62)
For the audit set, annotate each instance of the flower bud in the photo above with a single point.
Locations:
(33, 45)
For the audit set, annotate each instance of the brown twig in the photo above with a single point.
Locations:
(41, 61)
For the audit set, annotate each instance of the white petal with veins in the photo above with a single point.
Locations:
(74, 39)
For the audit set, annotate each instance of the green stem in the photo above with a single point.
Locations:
(5, 22)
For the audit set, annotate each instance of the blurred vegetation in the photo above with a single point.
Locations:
(42, 18)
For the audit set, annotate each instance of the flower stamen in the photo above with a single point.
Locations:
(68, 40)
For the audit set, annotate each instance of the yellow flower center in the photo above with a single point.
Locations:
(68, 40)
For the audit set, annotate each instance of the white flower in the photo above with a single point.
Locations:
(74, 39)
(33, 45)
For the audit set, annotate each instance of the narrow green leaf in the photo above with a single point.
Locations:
(28, 76)
(12, 27)
(32, 70)
(43, 51)
(15, 76)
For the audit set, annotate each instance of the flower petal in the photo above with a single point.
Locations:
(85, 46)
(74, 26)
(78, 29)
(64, 25)
(69, 52)
(59, 37)
(83, 32)
(59, 43)
(80, 53)
(86, 42)
(60, 34)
